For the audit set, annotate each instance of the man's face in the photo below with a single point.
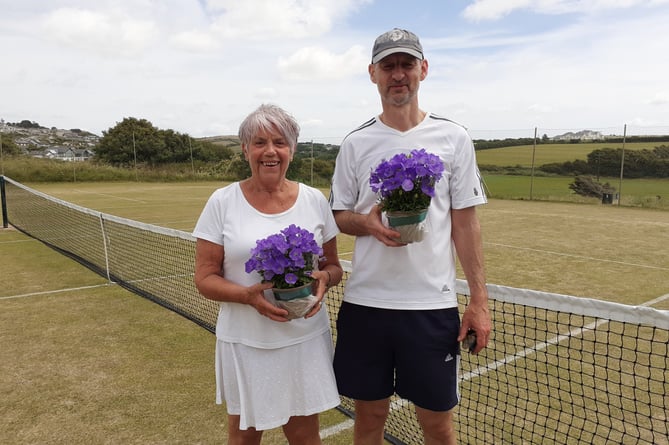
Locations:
(398, 78)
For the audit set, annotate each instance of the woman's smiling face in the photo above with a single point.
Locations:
(269, 155)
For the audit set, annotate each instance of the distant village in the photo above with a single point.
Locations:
(52, 143)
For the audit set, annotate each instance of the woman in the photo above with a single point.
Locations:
(270, 371)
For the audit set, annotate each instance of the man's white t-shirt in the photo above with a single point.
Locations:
(229, 220)
(419, 275)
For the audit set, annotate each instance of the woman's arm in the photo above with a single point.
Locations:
(211, 283)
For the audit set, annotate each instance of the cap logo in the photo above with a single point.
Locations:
(396, 35)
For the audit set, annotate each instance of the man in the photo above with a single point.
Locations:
(398, 330)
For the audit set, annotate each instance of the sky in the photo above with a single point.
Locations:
(501, 68)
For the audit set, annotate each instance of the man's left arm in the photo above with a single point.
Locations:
(466, 234)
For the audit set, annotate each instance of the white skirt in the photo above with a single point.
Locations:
(265, 387)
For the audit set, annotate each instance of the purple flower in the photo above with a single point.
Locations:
(406, 181)
(286, 258)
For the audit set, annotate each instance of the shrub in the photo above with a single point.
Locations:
(589, 186)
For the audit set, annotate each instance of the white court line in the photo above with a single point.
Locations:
(528, 351)
(110, 196)
(57, 291)
(580, 256)
(336, 429)
(655, 300)
(31, 240)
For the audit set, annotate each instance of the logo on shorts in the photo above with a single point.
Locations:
(448, 358)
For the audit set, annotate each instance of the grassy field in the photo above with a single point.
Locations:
(646, 193)
(86, 362)
(549, 153)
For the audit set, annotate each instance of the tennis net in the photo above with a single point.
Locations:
(559, 369)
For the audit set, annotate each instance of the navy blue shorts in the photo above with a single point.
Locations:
(414, 353)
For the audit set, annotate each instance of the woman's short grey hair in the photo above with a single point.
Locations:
(269, 118)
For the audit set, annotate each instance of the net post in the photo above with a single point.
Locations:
(3, 198)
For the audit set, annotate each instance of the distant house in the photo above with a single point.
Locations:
(60, 153)
(583, 135)
(68, 154)
(82, 154)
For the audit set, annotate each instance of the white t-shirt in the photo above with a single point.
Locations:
(420, 275)
(229, 220)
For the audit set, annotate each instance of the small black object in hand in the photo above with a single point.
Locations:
(469, 343)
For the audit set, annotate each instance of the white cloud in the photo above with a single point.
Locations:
(660, 99)
(493, 9)
(540, 108)
(101, 32)
(313, 63)
(280, 19)
(482, 10)
(197, 41)
(311, 123)
(266, 94)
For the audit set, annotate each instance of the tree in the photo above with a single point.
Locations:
(177, 147)
(138, 137)
(9, 147)
(26, 124)
(588, 186)
(129, 140)
(210, 152)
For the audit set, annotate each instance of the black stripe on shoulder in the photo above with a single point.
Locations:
(362, 127)
(440, 118)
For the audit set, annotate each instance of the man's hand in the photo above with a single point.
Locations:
(378, 230)
(476, 318)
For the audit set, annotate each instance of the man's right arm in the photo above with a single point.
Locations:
(360, 224)
(351, 223)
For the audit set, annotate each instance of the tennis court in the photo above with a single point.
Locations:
(593, 251)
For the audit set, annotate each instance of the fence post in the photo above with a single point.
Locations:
(622, 165)
(3, 198)
(534, 149)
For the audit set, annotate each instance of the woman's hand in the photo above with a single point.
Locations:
(256, 298)
(321, 281)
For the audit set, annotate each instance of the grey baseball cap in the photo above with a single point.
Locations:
(396, 41)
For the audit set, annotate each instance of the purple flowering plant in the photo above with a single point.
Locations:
(286, 258)
(406, 181)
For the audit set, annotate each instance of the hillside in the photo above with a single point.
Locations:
(521, 155)
(229, 141)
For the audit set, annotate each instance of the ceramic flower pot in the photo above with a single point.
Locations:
(410, 224)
